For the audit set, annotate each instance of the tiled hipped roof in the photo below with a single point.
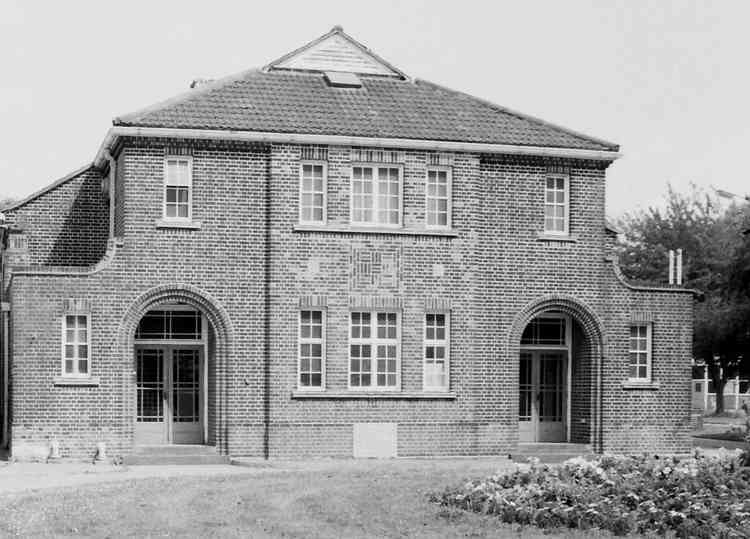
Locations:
(298, 99)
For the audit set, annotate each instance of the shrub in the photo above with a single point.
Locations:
(700, 496)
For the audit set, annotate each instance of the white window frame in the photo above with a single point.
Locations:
(649, 351)
(375, 207)
(449, 194)
(313, 162)
(565, 204)
(189, 186)
(312, 340)
(64, 341)
(446, 343)
(374, 341)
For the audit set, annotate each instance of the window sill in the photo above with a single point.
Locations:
(375, 395)
(81, 381)
(565, 238)
(349, 229)
(638, 384)
(181, 224)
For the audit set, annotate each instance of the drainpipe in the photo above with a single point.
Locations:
(112, 172)
(4, 353)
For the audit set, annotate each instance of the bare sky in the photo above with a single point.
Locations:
(668, 81)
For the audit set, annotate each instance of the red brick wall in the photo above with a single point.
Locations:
(67, 226)
(248, 258)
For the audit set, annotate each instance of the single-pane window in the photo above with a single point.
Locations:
(376, 195)
(311, 349)
(374, 349)
(438, 197)
(76, 345)
(556, 205)
(640, 352)
(312, 193)
(436, 352)
(177, 188)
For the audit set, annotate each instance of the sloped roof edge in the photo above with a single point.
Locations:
(183, 96)
(524, 116)
(47, 189)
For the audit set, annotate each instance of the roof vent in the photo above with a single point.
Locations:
(197, 83)
(339, 79)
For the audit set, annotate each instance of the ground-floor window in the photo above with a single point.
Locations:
(640, 352)
(436, 352)
(76, 344)
(374, 350)
(311, 349)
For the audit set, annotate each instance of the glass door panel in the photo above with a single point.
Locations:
(186, 396)
(150, 426)
(526, 423)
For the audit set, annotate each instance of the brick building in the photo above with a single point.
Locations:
(328, 257)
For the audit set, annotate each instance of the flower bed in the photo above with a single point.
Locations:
(698, 496)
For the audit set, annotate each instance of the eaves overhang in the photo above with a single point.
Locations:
(117, 132)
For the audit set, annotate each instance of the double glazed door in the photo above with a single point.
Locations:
(169, 397)
(542, 394)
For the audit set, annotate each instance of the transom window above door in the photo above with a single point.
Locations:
(170, 324)
(376, 195)
(545, 331)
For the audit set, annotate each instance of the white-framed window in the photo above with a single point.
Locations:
(438, 197)
(376, 195)
(178, 188)
(640, 352)
(556, 204)
(312, 192)
(76, 345)
(374, 350)
(311, 350)
(436, 351)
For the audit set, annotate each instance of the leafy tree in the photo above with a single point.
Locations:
(5, 202)
(716, 262)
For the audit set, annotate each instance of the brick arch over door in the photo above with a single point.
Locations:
(593, 332)
(219, 321)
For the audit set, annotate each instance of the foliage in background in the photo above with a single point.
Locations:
(699, 496)
(716, 262)
(5, 202)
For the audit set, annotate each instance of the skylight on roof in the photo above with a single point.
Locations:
(339, 79)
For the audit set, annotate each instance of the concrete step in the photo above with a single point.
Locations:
(177, 454)
(180, 460)
(174, 449)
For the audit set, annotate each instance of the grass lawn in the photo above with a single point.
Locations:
(338, 499)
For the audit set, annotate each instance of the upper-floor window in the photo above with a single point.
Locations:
(178, 186)
(436, 352)
(76, 344)
(312, 193)
(376, 195)
(640, 352)
(556, 205)
(311, 349)
(374, 350)
(437, 193)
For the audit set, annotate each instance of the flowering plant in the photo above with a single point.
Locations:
(699, 496)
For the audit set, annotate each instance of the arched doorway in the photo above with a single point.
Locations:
(558, 343)
(179, 341)
(544, 379)
(171, 352)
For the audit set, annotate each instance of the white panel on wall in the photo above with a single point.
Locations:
(375, 440)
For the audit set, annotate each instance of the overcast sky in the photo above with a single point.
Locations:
(668, 81)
